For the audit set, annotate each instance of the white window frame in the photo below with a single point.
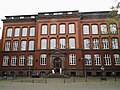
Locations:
(85, 29)
(72, 59)
(53, 29)
(17, 32)
(9, 32)
(23, 45)
(86, 43)
(31, 45)
(44, 29)
(32, 31)
(72, 43)
(7, 45)
(15, 45)
(24, 31)
(95, 43)
(113, 28)
(88, 59)
(44, 43)
(43, 58)
(5, 60)
(62, 43)
(94, 29)
(62, 28)
(105, 43)
(30, 60)
(116, 59)
(114, 43)
(22, 60)
(52, 43)
(107, 59)
(103, 28)
(71, 28)
(97, 59)
(14, 60)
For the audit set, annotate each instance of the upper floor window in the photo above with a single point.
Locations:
(15, 46)
(71, 43)
(22, 60)
(14, 60)
(43, 59)
(114, 43)
(32, 31)
(62, 43)
(117, 59)
(95, 43)
(94, 29)
(23, 45)
(86, 43)
(103, 28)
(62, 29)
(24, 31)
(7, 46)
(53, 43)
(72, 59)
(71, 28)
(9, 32)
(107, 59)
(44, 29)
(5, 60)
(17, 32)
(31, 45)
(30, 60)
(53, 29)
(105, 43)
(88, 59)
(113, 28)
(85, 29)
(97, 59)
(43, 43)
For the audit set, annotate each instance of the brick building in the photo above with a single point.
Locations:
(68, 42)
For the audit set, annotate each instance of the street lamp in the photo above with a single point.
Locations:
(103, 73)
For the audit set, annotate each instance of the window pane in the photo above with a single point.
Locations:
(86, 29)
(107, 59)
(43, 59)
(86, 43)
(44, 29)
(9, 32)
(95, 43)
(62, 29)
(14, 60)
(103, 29)
(32, 31)
(72, 59)
(23, 45)
(53, 29)
(97, 59)
(52, 43)
(44, 44)
(31, 45)
(94, 29)
(17, 32)
(22, 60)
(62, 43)
(71, 28)
(15, 46)
(88, 59)
(105, 43)
(24, 32)
(30, 60)
(117, 59)
(72, 43)
(113, 28)
(5, 60)
(7, 46)
(114, 43)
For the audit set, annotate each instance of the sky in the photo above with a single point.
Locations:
(26, 7)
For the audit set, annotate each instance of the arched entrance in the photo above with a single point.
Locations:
(57, 64)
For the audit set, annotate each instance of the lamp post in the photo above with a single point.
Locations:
(103, 73)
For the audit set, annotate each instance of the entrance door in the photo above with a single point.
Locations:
(57, 64)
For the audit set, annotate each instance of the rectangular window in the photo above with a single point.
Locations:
(85, 29)
(105, 44)
(95, 43)
(44, 44)
(44, 29)
(32, 31)
(23, 45)
(17, 32)
(53, 29)
(62, 43)
(22, 60)
(31, 45)
(72, 59)
(103, 28)
(88, 59)
(5, 60)
(114, 43)
(9, 32)
(97, 59)
(15, 46)
(43, 59)
(52, 43)
(71, 43)
(113, 28)
(71, 28)
(117, 59)
(94, 29)
(7, 46)
(24, 32)
(62, 29)
(86, 43)
(14, 60)
(107, 59)
(30, 60)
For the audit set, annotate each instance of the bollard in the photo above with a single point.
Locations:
(74, 79)
(64, 79)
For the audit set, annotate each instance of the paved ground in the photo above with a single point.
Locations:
(59, 84)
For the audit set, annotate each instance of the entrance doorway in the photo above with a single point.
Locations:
(57, 64)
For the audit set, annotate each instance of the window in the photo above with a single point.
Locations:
(62, 29)
(86, 43)
(23, 45)
(43, 59)
(44, 29)
(88, 59)
(14, 60)
(31, 45)
(62, 43)
(94, 29)
(85, 29)
(32, 31)
(17, 32)
(22, 60)
(105, 44)
(103, 28)
(5, 60)
(107, 59)
(15, 46)
(72, 59)
(7, 46)
(97, 59)
(71, 43)
(114, 43)
(53, 29)
(24, 32)
(44, 44)
(95, 43)
(30, 60)
(113, 28)
(52, 43)
(117, 59)
(71, 28)
(9, 32)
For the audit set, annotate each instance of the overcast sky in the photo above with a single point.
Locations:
(25, 7)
